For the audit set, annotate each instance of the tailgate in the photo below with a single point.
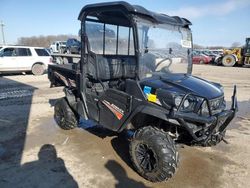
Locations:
(62, 75)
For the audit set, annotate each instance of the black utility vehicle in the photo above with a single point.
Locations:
(136, 75)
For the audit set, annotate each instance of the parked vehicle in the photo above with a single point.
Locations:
(236, 56)
(24, 59)
(58, 47)
(217, 52)
(201, 58)
(73, 46)
(140, 82)
(210, 54)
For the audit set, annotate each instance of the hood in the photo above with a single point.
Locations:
(183, 84)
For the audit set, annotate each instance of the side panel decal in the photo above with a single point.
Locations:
(119, 113)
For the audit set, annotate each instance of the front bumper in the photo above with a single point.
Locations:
(217, 123)
(225, 117)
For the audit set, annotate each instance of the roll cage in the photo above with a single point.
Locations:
(120, 14)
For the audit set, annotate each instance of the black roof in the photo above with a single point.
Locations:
(100, 8)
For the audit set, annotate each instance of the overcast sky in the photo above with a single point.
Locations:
(215, 22)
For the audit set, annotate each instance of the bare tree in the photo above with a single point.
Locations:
(43, 41)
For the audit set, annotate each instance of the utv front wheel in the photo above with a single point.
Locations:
(64, 116)
(153, 154)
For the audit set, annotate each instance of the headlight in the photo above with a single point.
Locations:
(204, 109)
(177, 100)
(189, 104)
(186, 103)
(215, 104)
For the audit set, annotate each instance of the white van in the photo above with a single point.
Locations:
(24, 59)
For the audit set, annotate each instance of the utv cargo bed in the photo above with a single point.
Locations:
(62, 75)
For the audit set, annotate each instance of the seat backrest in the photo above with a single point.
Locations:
(111, 67)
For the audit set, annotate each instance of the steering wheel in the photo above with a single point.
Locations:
(162, 65)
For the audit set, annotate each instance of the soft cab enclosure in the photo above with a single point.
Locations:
(110, 58)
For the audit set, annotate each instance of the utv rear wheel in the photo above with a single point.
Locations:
(153, 154)
(64, 116)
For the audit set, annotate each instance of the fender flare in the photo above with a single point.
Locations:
(150, 110)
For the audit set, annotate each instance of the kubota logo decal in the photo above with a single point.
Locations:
(114, 109)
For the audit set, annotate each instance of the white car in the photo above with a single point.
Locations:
(58, 47)
(24, 59)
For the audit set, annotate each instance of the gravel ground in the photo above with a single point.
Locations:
(34, 152)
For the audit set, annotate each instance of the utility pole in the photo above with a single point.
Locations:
(2, 25)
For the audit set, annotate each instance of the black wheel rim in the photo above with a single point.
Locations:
(145, 157)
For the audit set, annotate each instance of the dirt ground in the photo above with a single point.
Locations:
(34, 152)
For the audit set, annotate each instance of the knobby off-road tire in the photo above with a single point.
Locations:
(64, 116)
(153, 154)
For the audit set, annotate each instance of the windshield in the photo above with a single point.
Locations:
(164, 49)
